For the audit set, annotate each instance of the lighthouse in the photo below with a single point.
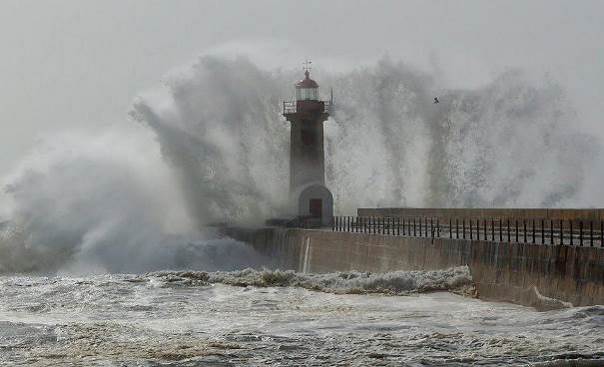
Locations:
(309, 197)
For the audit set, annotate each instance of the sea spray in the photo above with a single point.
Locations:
(387, 143)
(218, 127)
(212, 147)
(106, 204)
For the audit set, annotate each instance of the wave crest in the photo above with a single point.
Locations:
(456, 280)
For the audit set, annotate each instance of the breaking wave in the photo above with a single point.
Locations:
(456, 279)
(210, 146)
(81, 207)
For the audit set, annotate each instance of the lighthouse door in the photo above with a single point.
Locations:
(315, 208)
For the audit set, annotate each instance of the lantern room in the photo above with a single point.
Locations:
(307, 89)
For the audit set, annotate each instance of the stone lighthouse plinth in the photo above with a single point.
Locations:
(308, 195)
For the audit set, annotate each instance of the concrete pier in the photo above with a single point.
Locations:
(541, 276)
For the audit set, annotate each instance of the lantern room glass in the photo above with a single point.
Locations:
(307, 94)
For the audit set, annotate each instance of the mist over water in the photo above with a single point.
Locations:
(210, 146)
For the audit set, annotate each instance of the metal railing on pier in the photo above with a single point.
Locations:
(505, 230)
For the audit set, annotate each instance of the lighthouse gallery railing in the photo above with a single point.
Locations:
(292, 107)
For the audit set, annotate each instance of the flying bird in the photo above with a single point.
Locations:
(436, 100)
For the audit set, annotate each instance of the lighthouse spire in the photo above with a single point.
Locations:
(307, 67)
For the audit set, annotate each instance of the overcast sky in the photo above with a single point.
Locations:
(69, 64)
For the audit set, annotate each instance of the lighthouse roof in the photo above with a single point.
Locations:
(307, 82)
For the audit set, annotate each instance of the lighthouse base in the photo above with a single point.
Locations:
(315, 204)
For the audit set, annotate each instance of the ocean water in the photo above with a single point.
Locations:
(272, 318)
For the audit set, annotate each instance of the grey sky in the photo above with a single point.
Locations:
(79, 63)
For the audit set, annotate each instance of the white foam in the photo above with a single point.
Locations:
(397, 282)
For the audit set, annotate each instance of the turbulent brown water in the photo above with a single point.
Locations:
(259, 318)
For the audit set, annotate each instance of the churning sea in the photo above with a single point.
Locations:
(271, 318)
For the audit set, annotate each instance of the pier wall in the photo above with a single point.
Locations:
(540, 276)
